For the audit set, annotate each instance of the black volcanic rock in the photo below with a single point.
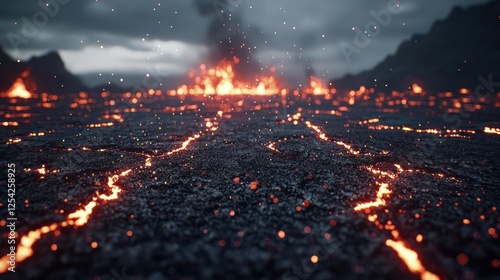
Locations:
(50, 75)
(9, 70)
(450, 56)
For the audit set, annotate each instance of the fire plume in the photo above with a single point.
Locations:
(221, 80)
(18, 90)
(317, 87)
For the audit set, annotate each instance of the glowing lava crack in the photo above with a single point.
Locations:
(76, 219)
(383, 180)
(81, 216)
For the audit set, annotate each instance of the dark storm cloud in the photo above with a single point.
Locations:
(228, 37)
(288, 34)
(172, 20)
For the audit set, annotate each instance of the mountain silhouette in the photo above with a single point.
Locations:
(47, 73)
(450, 56)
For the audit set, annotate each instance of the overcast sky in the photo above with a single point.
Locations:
(134, 38)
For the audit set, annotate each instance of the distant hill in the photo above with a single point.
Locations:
(9, 70)
(450, 56)
(47, 73)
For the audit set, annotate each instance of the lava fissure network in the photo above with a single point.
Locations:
(81, 216)
(193, 134)
(383, 178)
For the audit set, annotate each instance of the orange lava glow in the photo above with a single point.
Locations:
(81, 216)
(221, 80)
(417, 89)
(42, 170)
(24, 248)
(317, 87)
(184, 144)
(211, 126)
(381, 193)
(18, 90)
(492, 130)
(115, 190)
(348, 147)
(407, 255)
(318, 131)
(148, 162)
(78, 218)
(410, 258)
(323, 136)
(272, 146)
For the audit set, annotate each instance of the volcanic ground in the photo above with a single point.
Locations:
(255, 194)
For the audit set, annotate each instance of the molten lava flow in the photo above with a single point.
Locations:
(211, 125)
(148, 162)
(18, 90)
(323, 136)
(318, 131)
(374, 120)
(410, 258)
(221, 80)
(272, 146)
(115, 190)
(417, 89)
(347, 147)
(78, 218)
(491, 130)
(382, 191)
(81, 216)
(24, 248)
(407, 255)
(42, 171)
(184, 144)
(317, 87)
(383, 179)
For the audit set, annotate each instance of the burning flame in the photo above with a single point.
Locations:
(18, 90)
(221, 80)
(317, 87)
(318, 131)
(417, 89)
